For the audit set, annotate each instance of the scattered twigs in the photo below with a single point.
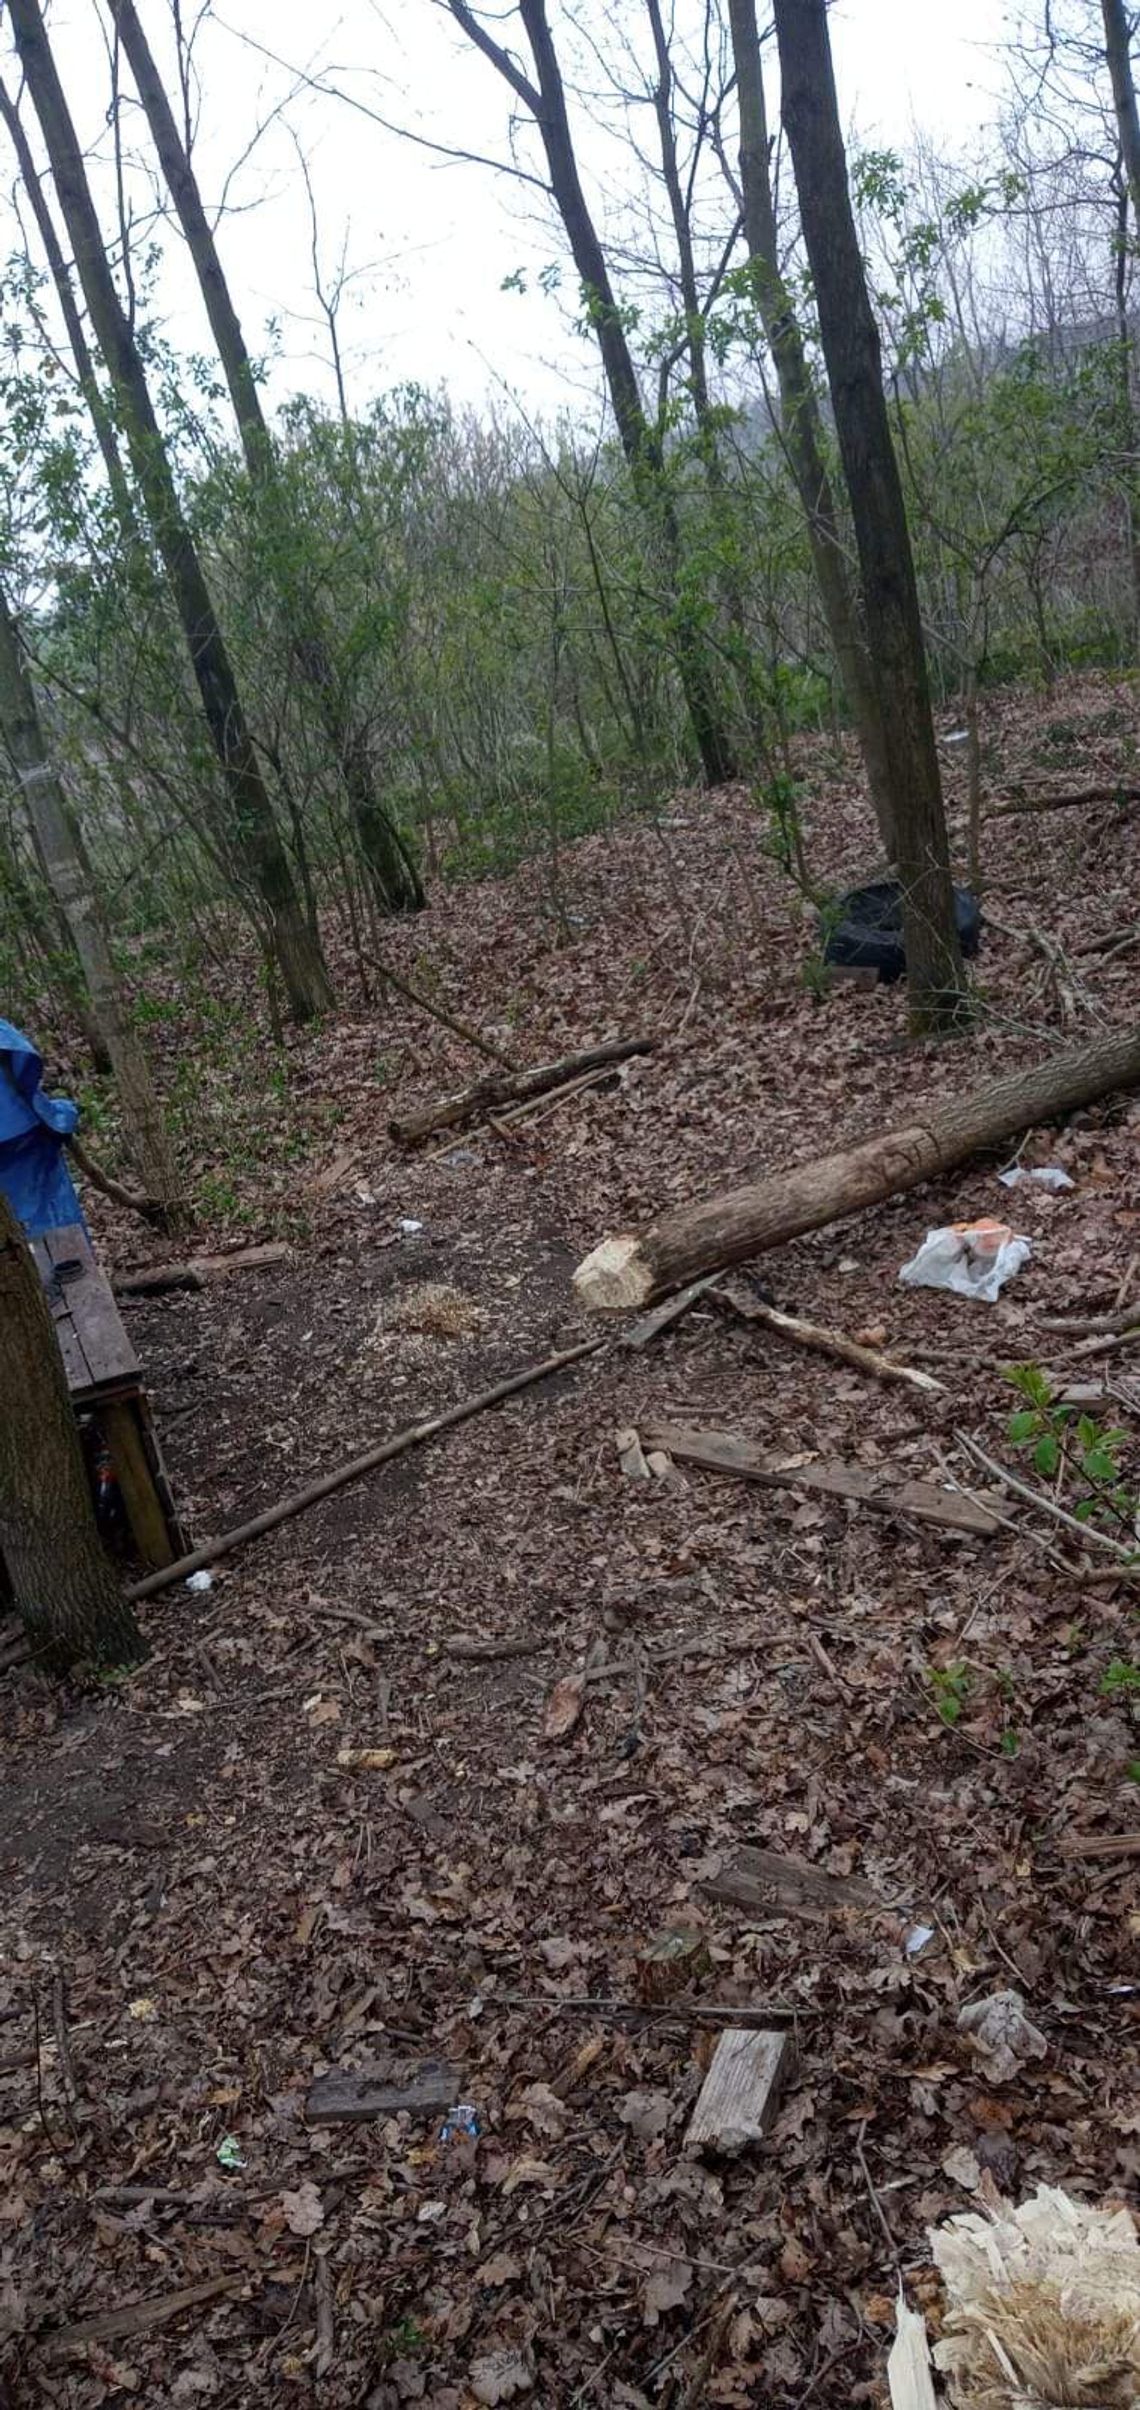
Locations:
(400, 1444)
(533, 1110)
(713, 2012)
(1085, 1532)
(439, 1012)
(512, 1088)
(472, 1647)
(825, 1342)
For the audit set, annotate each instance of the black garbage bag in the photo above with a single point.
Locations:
(865, 930)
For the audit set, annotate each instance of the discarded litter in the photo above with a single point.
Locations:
(974, 1259)
(917, 1939)
(461, 2123)
(1036, 1175)
(200, 1581)
(229, 2152)
(409, 1228)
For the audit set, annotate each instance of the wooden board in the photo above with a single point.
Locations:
(883, 1490)
(741, 2092)
(97, 1354)
(347, 2096)
(766, 1880)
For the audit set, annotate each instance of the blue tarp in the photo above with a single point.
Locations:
(33, 1168)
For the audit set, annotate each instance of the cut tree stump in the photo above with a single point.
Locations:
(627, 1273)
(884, 1491)
(741, 2092)
(511, 1087)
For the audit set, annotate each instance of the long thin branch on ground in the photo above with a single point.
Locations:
(400, 1444)
(1045, 1504)
(440, 1013)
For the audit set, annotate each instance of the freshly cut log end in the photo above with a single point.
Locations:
(614, 1278)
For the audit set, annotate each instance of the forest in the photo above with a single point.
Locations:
(570, 1205)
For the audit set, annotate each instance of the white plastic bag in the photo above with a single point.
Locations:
(974, 1259)
(1039, 1175)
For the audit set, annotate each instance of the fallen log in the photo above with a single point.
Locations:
(507, 1087)
(630, 1271)
(154, 1280)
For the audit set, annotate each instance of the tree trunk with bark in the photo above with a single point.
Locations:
(254, 831)
(88, 381)
(1118, 52)
(546, 102)
(391, 869)
(629, 1272)
(69, 877)
(935, 979)
(62, 1581)
(801, 429)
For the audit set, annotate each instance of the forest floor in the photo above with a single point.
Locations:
(207, 1902)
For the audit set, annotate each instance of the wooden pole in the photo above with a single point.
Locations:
(629, 1271)
(398, 1445)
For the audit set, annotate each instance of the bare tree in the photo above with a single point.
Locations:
(545, 99)
(800, 426)
(62, 1581)
(1118, 32)
(850, 338)
(395, 879)
(254, 830)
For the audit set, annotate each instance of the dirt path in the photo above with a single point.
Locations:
(218, 1900)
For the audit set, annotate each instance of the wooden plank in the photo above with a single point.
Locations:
(347, 2096)
(106, 1347)
(741, 2092)
(69, 1339)
(755, 1875)
(882, 1491)
(145, 1514)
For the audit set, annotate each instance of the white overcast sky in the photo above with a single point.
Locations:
(429, 243)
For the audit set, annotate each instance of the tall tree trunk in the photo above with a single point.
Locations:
(935, 979)
(800, 425)
(89, 387)
(1118, 52)
(69, 877)
(390, 866)
(546, 102)
(61, 1579)
(255, 833)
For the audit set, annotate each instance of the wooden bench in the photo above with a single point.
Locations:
(105, 1379)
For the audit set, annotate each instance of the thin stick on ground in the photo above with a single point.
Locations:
(440, 1013)
(1046, 1505)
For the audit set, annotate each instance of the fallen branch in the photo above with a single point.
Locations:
(155, 1280)
(1102, 1845)
(440, 1013)
(149, 1209)
(511, 1087)
(823, 1342)
(479, 1651)
(1046, 1505)
(630, 1270)
(133, 2319)
(1074, 801)
(399, 1445)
